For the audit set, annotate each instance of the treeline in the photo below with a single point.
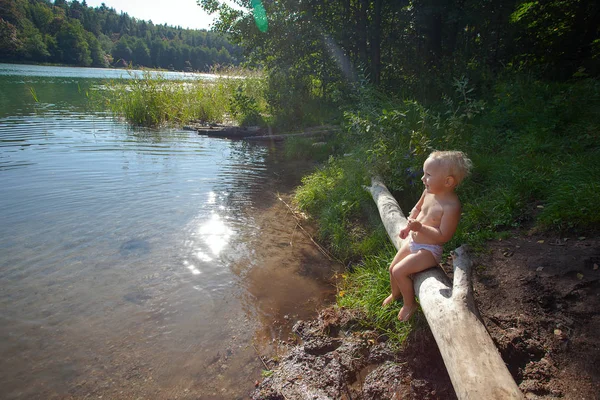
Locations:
(417, 47)
(72, 33)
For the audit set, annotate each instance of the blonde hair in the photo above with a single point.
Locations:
(458, 164)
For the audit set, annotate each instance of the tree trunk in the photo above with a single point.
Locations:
(435, 38)
(475, 366)
(362, 21)
(376, 44)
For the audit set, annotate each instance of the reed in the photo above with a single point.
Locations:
(152, 100)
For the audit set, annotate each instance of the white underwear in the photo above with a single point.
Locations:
(435, 249)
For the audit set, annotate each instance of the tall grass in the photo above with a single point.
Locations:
(153, 100)
(335, 197)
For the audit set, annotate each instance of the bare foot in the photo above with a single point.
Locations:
(407, 312)
(388, 300)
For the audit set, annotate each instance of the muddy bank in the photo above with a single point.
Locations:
(335, 359)
(540, 301)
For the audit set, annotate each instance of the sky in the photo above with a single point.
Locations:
(184, 13)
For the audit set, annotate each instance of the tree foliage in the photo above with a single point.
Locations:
(415, 47)
(70, 32)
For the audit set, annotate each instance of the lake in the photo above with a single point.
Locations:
(135, 262)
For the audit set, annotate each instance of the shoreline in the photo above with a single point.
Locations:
(541, 314)
(124, 68)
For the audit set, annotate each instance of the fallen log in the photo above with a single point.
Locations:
(474, 364)
(279, 138)
(229, 132)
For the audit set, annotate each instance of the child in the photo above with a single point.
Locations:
(431, 223)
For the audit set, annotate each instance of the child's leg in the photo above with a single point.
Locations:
(400, 255)
(411, 264)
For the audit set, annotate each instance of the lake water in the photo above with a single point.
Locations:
(139, 263)
(30, 71)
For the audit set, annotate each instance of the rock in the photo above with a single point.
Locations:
(385, 381)
(328, 363)
(319, 346)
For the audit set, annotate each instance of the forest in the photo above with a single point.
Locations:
(415, 48)
(403, 47)
(71, 33)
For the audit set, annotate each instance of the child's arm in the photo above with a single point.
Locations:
(448, 225)
(414, 213)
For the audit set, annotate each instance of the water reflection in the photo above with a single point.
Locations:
(215, 233)
(193, 269)
(61, 73)
(209, 238)
(118, 246)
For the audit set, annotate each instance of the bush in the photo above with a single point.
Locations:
(245, 108)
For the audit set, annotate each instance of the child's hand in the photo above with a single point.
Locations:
(414, 225)
(404, 233)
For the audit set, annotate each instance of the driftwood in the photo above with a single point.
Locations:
(475, 366)
(225, 131)
(255, 133)
(279, 138)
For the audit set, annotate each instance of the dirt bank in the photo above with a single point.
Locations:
(539, 298)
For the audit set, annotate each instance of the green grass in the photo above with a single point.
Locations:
(348, 220)
(535, 148)
(366, 287)
(548, 136)
(571, 205)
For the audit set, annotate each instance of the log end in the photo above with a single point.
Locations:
(462, 265)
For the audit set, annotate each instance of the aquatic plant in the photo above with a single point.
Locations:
(153, 100)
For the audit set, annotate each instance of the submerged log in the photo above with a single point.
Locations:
(474, 364)
(279, 138)
(230, 132)
(255, 133)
